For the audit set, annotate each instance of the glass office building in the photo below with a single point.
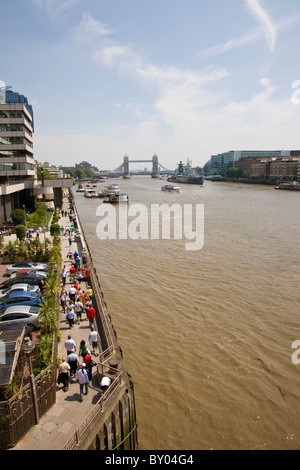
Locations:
(221, 162)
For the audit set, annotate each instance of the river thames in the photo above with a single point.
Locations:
(207, 334)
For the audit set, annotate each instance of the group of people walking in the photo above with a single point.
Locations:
(70, 368)
(77, 305)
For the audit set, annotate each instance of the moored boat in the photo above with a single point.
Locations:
(116, 199)
(186, 174)
(90, 193)
(289, 186)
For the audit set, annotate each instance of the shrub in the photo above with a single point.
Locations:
(55, 230)
(21, 232)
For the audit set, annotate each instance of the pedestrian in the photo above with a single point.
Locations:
(64, 274)
(77, 263)
(71, 317)
(70, 240)
(90, 313)
(72, 293)
(87, 359)
(63, 299)
(82, 378)
(70, 254)
(78, 308)
(90, 293)
(70, 344)
(73, 362)
(83, 297)
(64, 371)
(94, 338)
(72, 274)
(83, 348)
(79, 276)
(105, 383)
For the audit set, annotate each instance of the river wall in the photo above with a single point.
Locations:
(112, 425)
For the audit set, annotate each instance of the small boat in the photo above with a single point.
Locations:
(80, 189)
(116, 199)
(170, 188)
(90, 193)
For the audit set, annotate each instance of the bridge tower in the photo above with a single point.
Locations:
(155, 172)
(126, 174)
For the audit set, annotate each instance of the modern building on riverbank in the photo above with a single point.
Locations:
(19, 186)
(262, 164)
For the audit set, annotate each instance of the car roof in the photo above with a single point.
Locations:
(20, 294)
(19, 285)
(17, 309)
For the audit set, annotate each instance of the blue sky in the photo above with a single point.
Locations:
(182, 79)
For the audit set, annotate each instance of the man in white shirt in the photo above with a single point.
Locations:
(70, 344)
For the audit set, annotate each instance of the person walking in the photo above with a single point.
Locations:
(64, 371)
(73, 362)
(87, 359)
(94, 338)
(70, 240)
(78, 308)
(64, 274)
(72, 293)
(71, 317)
(70, 345)
(82, 378)
(90, 313)
(63, 299)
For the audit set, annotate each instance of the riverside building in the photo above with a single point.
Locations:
(19, 187)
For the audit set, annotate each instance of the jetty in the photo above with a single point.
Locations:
(104, 420)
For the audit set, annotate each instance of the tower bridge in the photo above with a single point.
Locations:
(124, 167)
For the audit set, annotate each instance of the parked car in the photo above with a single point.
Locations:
(28, 271)
(20, 298)
(21, 315)
(19, 287)
(16, 267)
(33, 279)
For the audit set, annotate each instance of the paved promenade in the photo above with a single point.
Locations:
(59, 423)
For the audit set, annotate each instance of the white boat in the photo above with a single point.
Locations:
(90, 193)
(170, 188)
(111, 189)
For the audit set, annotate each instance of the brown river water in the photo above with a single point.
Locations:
(207, 335)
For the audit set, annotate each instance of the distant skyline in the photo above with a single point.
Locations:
(172, 78)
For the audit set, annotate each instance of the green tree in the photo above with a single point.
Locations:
(233, 172)
(47, 174)
(18, 216)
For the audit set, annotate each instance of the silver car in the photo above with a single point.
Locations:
(24, 315)
(20, 266)
(19, 287)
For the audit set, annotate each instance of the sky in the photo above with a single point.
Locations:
(179, 79)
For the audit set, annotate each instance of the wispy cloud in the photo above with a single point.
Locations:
(264, 19)
(233, 43)
(90, 29)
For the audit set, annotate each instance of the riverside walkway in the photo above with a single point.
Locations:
(57, 426)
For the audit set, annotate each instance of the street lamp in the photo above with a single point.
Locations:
(24, 216)
(28, 348)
